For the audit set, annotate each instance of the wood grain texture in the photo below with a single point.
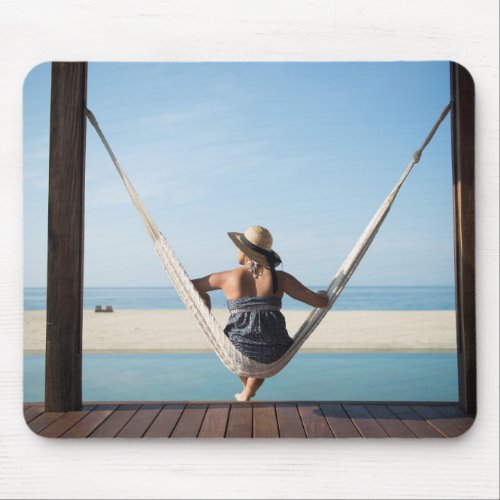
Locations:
(289, 421)
(65, 422)
(463, 154)
(388, 420)
(165, 421)
(339, 421)
(366, 424)
(32, 412)
(190, 421)
(138, 425)
(417, 424)
(252, 420)
(450, 427)
(90, 422)
(63, 352)
(265, 424)
(240, 421)
(44, 420)
(314, 422)
(215, 421)
(115, 422)
(456, 415)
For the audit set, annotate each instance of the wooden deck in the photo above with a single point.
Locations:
(295, 419)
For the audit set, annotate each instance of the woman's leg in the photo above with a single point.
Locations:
(251, 388)
(253, 385)
(239, 395)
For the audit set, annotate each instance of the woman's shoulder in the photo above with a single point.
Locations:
(283, 275)
(237, 270)
(221, 279)
(239, 273)
(233, 273)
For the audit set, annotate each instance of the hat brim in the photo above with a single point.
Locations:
(257, 257)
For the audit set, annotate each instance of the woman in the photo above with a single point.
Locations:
(256, 326)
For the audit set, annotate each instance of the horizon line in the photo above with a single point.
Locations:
(312, 286)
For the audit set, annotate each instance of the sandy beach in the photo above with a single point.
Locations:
(176, 331)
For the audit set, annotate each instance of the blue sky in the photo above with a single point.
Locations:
(308, 150)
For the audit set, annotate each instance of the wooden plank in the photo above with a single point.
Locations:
(289, 421)
(115, 422)
(239, 424)
(265, 424)
(32, 412)
(364, 421)
(253, 420)
(189, 424)
(63, 354)
(90, 422)
(215, 421)
(388, 420)
(450, 410)
(457, 415)
(448, 427)
(137, 426)
(46, 418)
(68, 420)
(314, 422)
(339, 421)
(463, 152)
(165, 421)
(415, 422)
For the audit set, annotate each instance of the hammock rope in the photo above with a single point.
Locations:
(233, 359)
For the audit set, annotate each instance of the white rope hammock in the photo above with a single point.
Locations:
(233, 359)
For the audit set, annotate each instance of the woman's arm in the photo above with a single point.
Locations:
(214, 281)
(208, 283)
(298, 291)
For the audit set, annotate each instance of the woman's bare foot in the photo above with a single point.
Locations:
(241, 396)
(251, 385)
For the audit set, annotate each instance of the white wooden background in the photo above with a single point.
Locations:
(34, 31)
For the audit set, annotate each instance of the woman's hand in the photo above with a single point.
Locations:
(206, 299)
(325, 294)
(201, 285)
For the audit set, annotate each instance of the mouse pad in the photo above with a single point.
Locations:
(250, 250)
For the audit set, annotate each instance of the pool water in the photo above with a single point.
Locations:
(381, 376)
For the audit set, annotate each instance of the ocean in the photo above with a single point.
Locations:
(355, 298)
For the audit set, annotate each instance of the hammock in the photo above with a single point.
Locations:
(233, 359)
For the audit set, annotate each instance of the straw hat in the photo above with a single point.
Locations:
(256, 242)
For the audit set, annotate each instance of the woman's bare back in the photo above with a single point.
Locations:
(240, 282)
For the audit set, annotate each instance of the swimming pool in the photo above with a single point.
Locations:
(374, 376)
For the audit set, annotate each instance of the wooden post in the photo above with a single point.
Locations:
(462, 131)
(63, 356)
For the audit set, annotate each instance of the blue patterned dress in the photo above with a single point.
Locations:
(257, 328)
